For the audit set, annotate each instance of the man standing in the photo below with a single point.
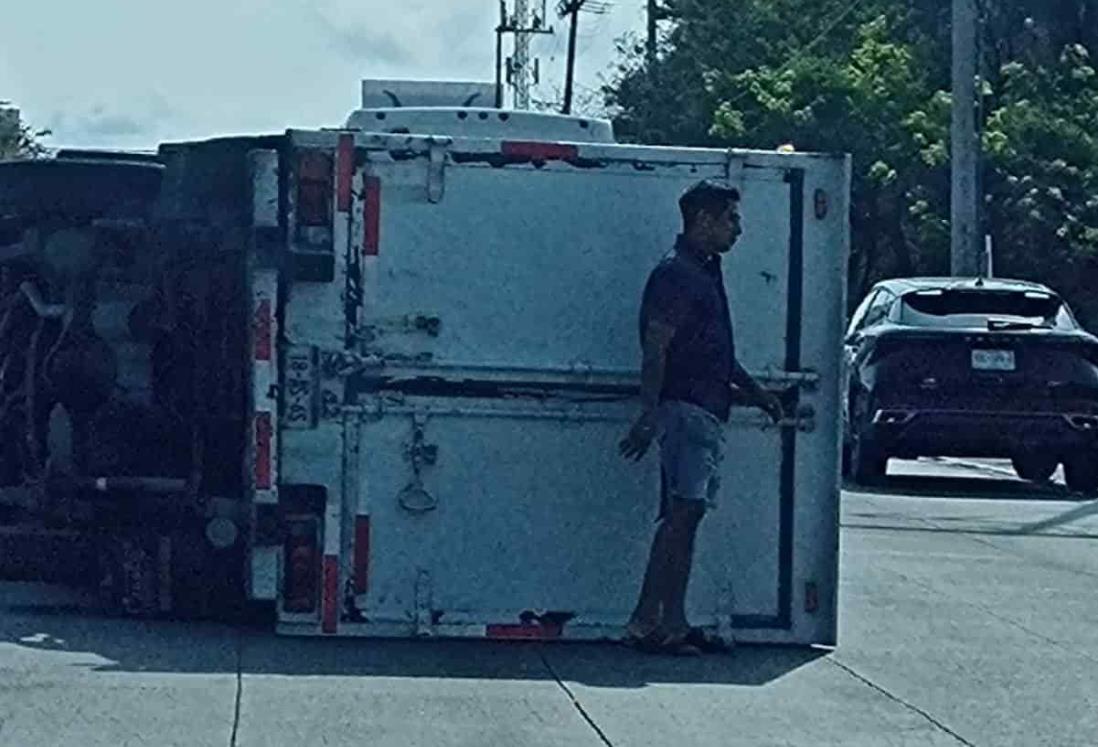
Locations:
(689, 374)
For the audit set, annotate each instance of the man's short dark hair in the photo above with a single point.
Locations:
(706, 196)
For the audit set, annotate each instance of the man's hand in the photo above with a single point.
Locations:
(771, 404)
(635, 445)
(744, 385)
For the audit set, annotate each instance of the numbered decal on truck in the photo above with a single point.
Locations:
(299, 397)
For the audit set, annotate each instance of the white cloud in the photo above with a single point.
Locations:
(125, 73)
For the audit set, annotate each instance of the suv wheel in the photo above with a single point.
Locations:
(868, 462)
(1081, 472)
(1035, 467)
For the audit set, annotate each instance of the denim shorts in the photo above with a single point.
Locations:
(691, 451)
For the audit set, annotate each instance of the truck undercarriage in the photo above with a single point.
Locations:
(121, 390)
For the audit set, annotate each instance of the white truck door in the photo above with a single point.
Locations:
(492, 367)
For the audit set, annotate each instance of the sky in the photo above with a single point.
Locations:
(133, 73)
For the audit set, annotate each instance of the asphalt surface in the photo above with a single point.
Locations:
(968, 618)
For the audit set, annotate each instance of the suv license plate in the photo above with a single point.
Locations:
(993, 360)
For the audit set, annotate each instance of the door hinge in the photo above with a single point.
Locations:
(343, 363)
(436, 171)
(414, 497)
(804, 378)
(408, 324)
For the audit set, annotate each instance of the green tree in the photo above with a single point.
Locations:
(855, 78)
(872, 78)
(870, 102)
(1041, 142)
(17, 140)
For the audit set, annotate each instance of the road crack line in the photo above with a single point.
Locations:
(575, 701)
(239, 686)
(900, 701)
(1041, 562)
(993, 614)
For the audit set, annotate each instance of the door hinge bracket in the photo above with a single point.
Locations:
(436, 171)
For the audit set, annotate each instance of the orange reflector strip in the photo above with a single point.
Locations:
(330, 613)
(262, 324)
(371, 215)
(345, 171)
(362, 554)
(264, 430)
(540, 151)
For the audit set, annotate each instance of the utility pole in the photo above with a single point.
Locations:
(965, 250)
(501, 29)
(521, 74)
(656, 13)
(653, 17)
(521, 78)
(572, 8)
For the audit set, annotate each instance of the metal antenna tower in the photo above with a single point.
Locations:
(523, 73)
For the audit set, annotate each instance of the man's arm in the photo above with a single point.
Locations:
(657, 340)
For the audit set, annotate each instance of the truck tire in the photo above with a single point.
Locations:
(128, 583)
(1081, 472)
(79, 189)
(1035, 467)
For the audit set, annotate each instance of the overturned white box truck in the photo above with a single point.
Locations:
(374, 377)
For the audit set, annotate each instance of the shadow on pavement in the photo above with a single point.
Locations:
(99, 643)
(595, 664)
(614, 666)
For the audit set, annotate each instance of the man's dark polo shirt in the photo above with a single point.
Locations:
(688, 293)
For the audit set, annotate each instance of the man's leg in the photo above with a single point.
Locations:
(681, 530)
(646, 617)
(688, 466)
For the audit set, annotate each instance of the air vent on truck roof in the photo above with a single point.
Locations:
(482, 123)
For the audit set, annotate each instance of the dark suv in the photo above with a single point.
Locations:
(971, 368)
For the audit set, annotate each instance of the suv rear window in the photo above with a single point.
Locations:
(949, 307)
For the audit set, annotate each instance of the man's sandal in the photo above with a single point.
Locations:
(710, 644)
(642, 642)
(665, 645)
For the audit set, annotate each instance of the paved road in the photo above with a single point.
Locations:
(968, 618)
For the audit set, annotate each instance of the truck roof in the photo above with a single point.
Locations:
(464, 109)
